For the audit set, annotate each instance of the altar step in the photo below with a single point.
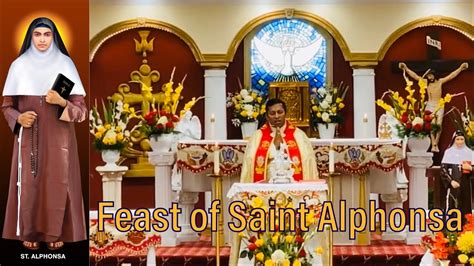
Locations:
(387, 253)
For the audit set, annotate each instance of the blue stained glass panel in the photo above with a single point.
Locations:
(288, 50)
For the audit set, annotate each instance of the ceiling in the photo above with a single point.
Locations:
(178, 2)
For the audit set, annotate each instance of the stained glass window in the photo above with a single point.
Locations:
(288, 50)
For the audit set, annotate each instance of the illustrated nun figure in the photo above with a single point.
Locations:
(456, 173)
(45, 201)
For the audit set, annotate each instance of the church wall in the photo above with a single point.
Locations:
(112, 65)
(411, 46)
(364, 26)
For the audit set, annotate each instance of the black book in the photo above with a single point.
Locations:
(63, 86)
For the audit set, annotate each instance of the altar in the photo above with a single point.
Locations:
(366, 166)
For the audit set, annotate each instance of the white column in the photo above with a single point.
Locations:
(393, 201)
(215, 103)
(186, 201)
(364, 103)
(163, 162)
(112, 184)
(418, 188)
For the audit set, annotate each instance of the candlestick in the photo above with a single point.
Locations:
(216, 159)
(331, 158)
(213, 132)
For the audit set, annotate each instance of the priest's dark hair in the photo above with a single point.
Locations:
(272, 102)
(47, 23)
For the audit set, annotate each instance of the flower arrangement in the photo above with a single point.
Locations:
(464, 121)
(453, 245)
(109, 130)
(162, 119)
(281, 247)
(327, 103)
(248, 106)
(415, 119)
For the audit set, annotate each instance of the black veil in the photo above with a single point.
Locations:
(48, 23)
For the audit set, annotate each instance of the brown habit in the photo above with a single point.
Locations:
(51, 202)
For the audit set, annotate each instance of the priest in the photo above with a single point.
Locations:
(265, 144)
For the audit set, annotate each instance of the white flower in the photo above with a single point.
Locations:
(163, 120)
(248, 99)
(417, 121)
(122, 125)
(322, 91)
(278, 256)
(324, 104)
(248, 108)
(110, 134)
(126, 133)
(328, 99)
(244, 93)
(325, 117)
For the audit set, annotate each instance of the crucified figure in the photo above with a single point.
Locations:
(435, 92)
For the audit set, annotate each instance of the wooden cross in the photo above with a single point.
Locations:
(434, 60)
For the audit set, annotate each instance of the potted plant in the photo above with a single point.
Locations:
(248, 108)
(326, 106)
(109, 130)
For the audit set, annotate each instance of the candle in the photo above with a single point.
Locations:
(216, 159)
(331, 158)
(213, 120)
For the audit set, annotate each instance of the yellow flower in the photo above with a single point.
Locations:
(310, 218)
(259, 99)
(119, 137)
(257, 202)
(315, 108)
(243, 113)
(259, 242)
(238, 97)
(107, 126)
(275, 239)
(260, 256)
(289, 239)
(237, 107)
(242, 235)
(465, 242)
(286, 262)
(448, 97)
(471, 261)
(255, 115)
(334, 109)
(253, 95)
(297, 263)
(339, 100)
(118, 129)
(463, 258)
(98, 135)
(269, 262)
(319, 250)
(341, 105)
(318, 114)
(101, 129)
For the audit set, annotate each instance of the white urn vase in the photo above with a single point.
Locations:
(327, 130)
(162, 142)
(110, 157)
(416, 144)
(248, 128)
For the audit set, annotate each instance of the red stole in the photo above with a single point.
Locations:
(261, 156)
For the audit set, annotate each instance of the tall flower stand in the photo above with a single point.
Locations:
(418, 188)
(163, 162)
(112, 183)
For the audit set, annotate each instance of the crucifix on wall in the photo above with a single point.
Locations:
(431, 67)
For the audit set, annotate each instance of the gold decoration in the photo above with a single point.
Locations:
(144, 45)
(385, 131)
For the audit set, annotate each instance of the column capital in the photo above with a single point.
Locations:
(214, 73)
(215, 61)
(363, 72)
(162, 158)
(420, 160)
